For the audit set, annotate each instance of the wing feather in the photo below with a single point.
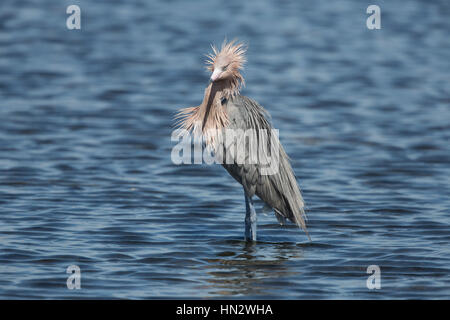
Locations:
(280, 191)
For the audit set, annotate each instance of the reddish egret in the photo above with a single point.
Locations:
(224, 108)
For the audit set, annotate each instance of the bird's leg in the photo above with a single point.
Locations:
(250, 219)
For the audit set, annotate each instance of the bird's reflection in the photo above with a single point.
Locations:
(250, 267)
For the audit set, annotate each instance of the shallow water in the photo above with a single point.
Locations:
(86, 176)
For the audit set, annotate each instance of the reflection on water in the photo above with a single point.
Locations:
(244, 272)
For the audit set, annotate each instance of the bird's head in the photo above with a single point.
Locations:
(226, 63)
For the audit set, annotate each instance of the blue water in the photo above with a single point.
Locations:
(86, 176)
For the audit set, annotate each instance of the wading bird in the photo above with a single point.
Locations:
(224, 108)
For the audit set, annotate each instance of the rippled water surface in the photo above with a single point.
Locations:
(86, 176)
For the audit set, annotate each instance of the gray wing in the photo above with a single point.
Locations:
(280, 190)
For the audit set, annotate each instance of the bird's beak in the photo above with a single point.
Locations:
(216, 74)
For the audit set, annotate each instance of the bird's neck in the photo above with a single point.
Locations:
(224, 89)
(211, 115)
(214, 115)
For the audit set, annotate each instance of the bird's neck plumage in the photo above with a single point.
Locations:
(214, 115)
(211, 115)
